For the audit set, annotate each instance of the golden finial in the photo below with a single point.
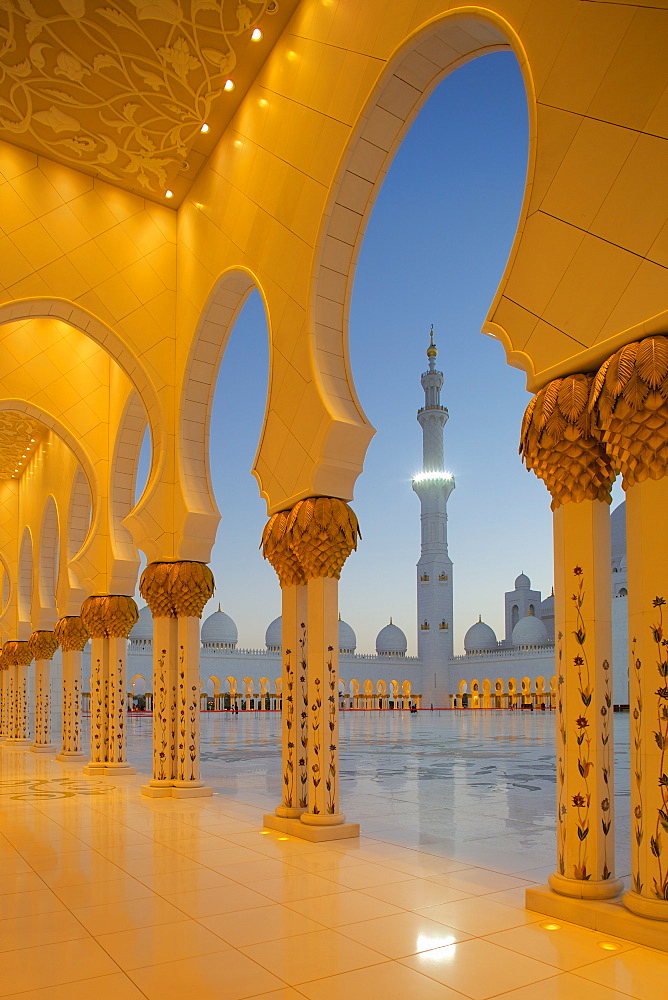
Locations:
(219, 607)
(479, 618)
(340, 619)
(431, 350)
(390, 619)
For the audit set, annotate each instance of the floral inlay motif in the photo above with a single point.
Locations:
(660, 881)
(121, 87)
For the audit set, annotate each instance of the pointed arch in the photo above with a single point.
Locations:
(225, 302)
(125, 460)
(80, 513)
(25, 578)
(49, 555)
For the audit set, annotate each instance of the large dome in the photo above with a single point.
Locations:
(347, 638)
(530, 631)
(480, 638)
(546, 607)
(272, 637)
(391, 641)
(522, 582)
(219, 631)
(141, 632)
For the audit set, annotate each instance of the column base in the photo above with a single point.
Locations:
(655, 909)
(289, 812)
(165, 790)
(314, 834)
(73, 755)
(323, 819)
(43, 748)
(607, 916)
(12, 743)
(581, 889)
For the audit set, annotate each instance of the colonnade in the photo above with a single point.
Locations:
(578, 433)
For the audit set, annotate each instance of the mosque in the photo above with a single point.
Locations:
(515, 671)
(159, 161)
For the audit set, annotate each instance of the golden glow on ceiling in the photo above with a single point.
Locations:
(20, 436)
(121, 89)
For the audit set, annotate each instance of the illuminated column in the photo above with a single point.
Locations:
(434, 569)
(4, 698)
(19, 658)
(108, 620)
(176, 593)
(562, 444)
(72, 637)
(294, 666)
(43, 645)
(311, 543)
(630, 395)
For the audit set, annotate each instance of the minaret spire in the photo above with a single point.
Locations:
(433, 485)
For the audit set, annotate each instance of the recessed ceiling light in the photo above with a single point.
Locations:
(229, 85)
(169, 194)
(257, 35)
(204, 128)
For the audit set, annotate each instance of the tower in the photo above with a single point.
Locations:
(434, 570)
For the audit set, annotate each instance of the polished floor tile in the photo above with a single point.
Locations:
(312, 956)
(144, 912)
(343, 908)
(115, 987)
(403, 934)
(379, 982)
(479, 915)
(478, 969)
(141, 946)
(226, 899)
(566, 946)
(229, 975)
(265, 923)
(53, 965)
(640, 973)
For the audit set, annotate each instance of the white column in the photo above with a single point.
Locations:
(323, 710)
(4, 702)
(117, 706)
(295, 702)
(647, 552)
(18, 656)
(70, 747)
(99, 700)
(585, 764)
(42, 739)
(187, 780)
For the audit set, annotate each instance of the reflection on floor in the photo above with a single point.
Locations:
(106, 894)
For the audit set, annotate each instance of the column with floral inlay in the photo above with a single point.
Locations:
(19, 657)
(72, 637)
(43, 644)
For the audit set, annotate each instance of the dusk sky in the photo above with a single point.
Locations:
(434, 252)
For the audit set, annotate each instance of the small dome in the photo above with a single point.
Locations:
(546, 607)
(347, 638)
(480, 638)
(142, 630)
(530, 631)
(219, 631)
(391, 641)
(273, 636)
(522, 582)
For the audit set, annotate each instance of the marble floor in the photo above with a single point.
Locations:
(105, 894)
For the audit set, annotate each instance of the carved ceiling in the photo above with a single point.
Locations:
(121, 88)
(20, 437)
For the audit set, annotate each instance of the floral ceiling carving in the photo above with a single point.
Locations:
(20, 436)
(121, 88)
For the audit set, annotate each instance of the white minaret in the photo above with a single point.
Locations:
(434, 570)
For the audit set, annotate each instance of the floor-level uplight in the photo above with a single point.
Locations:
(257, 35)
(229, 85)
(550, 927)
(609, 945)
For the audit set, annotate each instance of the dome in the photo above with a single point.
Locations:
(219, 631)
(530, 631)
(480, 638)
(142, 630)
(347, 638)
(546, 607)
(522, 582)
(273, 635)
(391, 641)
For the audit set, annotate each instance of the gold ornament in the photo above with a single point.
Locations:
(561, 442)
(17, 653)
(4, 665)
(43, 644)
(323, 531)
(276, 548)
(176, 589)
(109, 617)
(71, 633)
(630, 394)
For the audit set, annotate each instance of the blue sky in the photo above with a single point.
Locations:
(434, 252)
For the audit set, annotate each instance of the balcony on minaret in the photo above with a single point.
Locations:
(424, 578)
(444, 626)
(442, 577)
(425, 626)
